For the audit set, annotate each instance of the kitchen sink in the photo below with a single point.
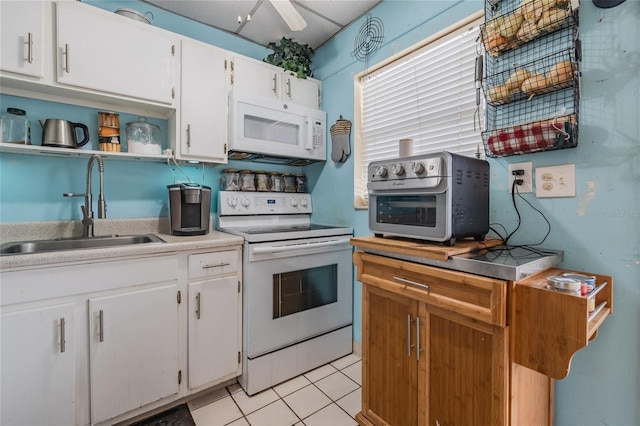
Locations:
(62, 244)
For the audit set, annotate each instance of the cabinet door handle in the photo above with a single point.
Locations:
(30, 48)
(275, 84)
(289, 87)
(218, 265)
(62, 335)
(418, 350)
(189, 135)
(409, 345)
(413, 283)
(198, 306)
(101, 322)
(67, 68)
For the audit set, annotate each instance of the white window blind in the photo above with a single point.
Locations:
(427, 95)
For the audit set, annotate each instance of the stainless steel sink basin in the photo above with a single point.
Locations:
(41, 246)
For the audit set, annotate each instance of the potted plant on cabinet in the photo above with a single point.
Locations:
(291, 56)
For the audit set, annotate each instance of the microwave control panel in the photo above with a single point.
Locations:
(318, 137)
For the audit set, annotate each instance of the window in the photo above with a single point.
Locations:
(427, 94)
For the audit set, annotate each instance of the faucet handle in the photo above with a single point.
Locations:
(72, 194)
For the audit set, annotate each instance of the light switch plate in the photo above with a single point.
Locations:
(556, 181)
(527, 184)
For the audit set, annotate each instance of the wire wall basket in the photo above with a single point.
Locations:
(532, 81)
(511, 24)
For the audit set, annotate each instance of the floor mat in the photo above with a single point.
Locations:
(176, 416)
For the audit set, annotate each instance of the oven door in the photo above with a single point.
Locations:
(295, 290)
(424, 215)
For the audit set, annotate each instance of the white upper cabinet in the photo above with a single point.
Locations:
(253, 76)
(106, 52)
(203, 103)
(22, 38)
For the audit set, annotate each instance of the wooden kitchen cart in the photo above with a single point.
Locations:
(444, 347)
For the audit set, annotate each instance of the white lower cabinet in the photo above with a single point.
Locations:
(99, 342)
(133, 350)
(38, 366)
(214, 331)
(214, 317)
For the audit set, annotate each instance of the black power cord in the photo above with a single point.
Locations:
(514, 191)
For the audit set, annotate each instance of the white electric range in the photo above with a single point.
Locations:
(297, 299)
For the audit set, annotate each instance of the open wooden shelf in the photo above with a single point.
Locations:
(550, 326)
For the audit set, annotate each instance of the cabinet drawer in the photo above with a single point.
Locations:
(561, 322)
(213, 264)
(472, 296)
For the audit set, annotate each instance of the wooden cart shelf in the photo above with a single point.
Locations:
(550, 326)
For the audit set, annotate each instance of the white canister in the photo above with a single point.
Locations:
(405, 148)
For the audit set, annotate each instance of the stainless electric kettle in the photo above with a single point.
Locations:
(62, 133)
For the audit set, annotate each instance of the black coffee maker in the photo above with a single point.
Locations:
(189, 208)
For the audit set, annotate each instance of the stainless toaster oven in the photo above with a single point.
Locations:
(436, 197)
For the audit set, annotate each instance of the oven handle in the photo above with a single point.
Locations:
(300, 246)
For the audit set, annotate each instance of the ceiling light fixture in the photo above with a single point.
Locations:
(289, 14)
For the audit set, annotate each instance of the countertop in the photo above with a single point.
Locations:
(487, 258)
(64, 229)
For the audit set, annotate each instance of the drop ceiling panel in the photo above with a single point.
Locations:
(324, 17)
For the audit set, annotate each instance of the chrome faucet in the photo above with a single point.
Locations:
(87, 209)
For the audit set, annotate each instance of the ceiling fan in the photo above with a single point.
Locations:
(289, 14)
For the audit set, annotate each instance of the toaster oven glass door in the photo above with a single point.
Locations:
(411, 210)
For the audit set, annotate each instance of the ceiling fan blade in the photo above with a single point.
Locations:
(289, 14)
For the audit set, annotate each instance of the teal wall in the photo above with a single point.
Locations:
(31, 186)
(598, 229)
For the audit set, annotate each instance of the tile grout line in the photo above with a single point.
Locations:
(338, 370)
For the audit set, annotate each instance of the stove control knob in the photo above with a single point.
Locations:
(381, 171)
(294, 202)
(304, 202)
(398, 169)
(245, 202)
(417, 168)
(232, 202)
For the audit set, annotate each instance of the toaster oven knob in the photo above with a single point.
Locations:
(417, 168)
(381, 171)
(398, 169)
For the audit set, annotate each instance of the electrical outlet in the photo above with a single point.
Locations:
(527, 181)
(556, 181)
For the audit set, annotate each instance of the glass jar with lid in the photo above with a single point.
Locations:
(230, 180)
(247, 180)
(16, 127)
(275, 182)
(262, 181)
(301, 182)
(289, 182)
(143, 137)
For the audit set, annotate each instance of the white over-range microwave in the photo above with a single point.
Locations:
(274, 131)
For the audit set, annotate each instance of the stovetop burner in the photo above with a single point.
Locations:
(284, 229)
(263, 216)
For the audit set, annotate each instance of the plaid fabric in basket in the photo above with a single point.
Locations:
(530, 137)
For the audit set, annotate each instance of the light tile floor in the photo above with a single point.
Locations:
(327, 396)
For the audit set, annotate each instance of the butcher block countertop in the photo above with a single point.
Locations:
(487, 258)
(419, 248)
